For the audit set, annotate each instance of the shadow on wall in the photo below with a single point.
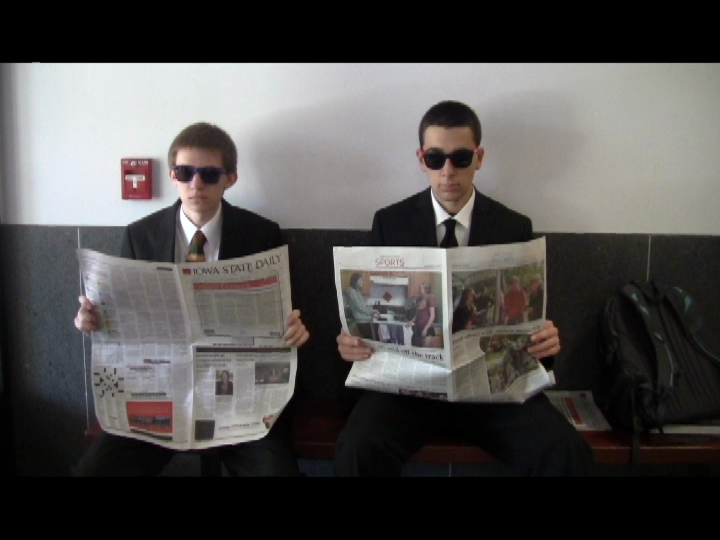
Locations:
(531, 140)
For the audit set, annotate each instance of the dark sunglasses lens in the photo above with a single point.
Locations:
(461, 158)
(184, 173)
(434, 160)
(210, 175)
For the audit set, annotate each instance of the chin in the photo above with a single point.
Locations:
(199, 206)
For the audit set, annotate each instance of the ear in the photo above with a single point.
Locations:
(419, 155)
(231, 179)
(173, 179)
(480, 155)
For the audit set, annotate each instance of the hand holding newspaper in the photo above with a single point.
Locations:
(190, 355)
(450, 324)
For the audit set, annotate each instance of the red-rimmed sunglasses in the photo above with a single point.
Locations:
(460, 159)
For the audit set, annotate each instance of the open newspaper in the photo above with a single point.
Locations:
(190, 355)
(446, 324)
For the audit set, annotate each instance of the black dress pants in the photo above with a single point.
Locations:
(533, 438)
(113, 455)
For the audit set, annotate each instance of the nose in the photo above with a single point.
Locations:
(196, 181)
(448, 168)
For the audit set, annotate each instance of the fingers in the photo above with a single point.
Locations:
(352, 348)
(86, 319)
(296, 333)
(545, 342)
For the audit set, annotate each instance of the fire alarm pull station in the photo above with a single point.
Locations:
(136, 178)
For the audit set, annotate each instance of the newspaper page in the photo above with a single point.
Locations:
(451, 325)
(579, 408)
(190, 355)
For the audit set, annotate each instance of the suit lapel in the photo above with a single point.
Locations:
(166, 238)
(481, 221)
(424, 225)
(235, 242)
(227, 227)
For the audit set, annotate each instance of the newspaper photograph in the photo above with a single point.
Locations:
(190, 355)
(451, 325)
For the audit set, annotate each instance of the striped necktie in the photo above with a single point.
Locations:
(195, 251)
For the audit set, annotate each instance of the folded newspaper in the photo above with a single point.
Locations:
(580, 409)
(190, 355)
(451, 324)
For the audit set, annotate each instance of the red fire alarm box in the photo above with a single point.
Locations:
(136, 176)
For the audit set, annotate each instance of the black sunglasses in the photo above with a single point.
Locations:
(209, 175)
(460, 159)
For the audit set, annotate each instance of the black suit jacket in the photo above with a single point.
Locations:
(411, 223)
(244, 233)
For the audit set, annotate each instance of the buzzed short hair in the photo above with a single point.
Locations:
(450, 114)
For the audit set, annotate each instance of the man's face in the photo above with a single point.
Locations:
(451, 185)
(200, 200)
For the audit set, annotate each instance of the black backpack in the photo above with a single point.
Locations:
(657, 371)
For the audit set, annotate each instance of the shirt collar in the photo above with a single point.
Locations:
(462, 217)
(212, 231)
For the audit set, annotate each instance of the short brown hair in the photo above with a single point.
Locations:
(208, 137)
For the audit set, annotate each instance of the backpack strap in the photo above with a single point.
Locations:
(644, 297)
(637, 429)
(688, 315)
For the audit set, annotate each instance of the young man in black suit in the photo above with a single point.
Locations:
(203, 164)
(384, 430)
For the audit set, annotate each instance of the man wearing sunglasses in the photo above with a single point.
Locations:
(203, 164)
(384, 430)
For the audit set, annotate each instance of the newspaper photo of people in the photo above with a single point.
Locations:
(502, 297)
(397, 307)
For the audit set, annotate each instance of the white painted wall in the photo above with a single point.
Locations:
(619, 148)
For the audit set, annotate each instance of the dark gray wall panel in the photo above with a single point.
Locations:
(583, 270)
(45, 353)
(693, 263)
(321, 371)
(103, 239)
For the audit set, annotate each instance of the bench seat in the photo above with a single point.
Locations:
(318, 423)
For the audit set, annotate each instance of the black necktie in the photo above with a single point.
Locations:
(449, 240)
(196, 253)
